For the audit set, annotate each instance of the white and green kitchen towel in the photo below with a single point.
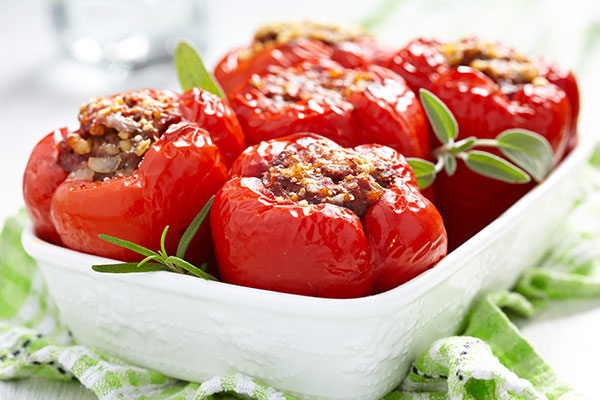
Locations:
(490, 361)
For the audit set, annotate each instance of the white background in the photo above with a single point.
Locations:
(41, 90)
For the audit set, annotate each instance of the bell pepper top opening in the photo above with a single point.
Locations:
(315, 173)
(115, 133)
(328, 33)
(508, 68)
(280, 33)
(307, 82)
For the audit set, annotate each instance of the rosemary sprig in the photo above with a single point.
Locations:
(160, 260)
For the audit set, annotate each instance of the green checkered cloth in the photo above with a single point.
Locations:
(491, 361)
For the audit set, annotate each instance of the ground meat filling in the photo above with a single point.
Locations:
(279, 33)
(115, 133)
(283, 32)
(297, 84)
(505, 66)
(319, 174)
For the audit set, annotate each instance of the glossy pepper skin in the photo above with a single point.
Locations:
(421, 63)
(216, 117)
(43, 175)
(380, 109)
(564, 79)
(287, 44)
(468, 201)
(322, 249)
(175, 178)
(234, 70)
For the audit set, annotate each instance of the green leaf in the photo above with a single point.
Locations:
(595, 159)
(192, 72)
(441, 119)
(450, 165)
(380, 13)
(528, 150)
(464, 145)
(495, 167)
(192, 229)
(192, 269)
(15, 262)
(127, 244)
(124, 268)
(149, 258)
(424, 171)
(163, 250)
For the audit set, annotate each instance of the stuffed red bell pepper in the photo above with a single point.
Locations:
(303, 215)
(138, 161)
(349, 106)
(287, 44)
(489, 88)
(423, 61)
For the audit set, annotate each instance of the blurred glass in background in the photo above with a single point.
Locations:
(127, 33)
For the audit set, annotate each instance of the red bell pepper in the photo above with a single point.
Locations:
(489, 88)
(349, 106)
(287, 44)
(215, 116)
(138, 161)
(303, 215)
(564, 79)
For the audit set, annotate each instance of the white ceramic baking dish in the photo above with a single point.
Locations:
(311, 347)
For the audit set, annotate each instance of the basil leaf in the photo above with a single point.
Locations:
(441, 119)
(450, 165)
(192, 229)
(495, 167)
(424, 171)
(127, 244)
(528, 150)
(192, 72)
(124, 268)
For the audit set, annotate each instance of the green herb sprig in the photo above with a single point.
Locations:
(530, 151)
(192, 72)
(160, 260)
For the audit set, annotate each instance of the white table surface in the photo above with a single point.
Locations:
(40, 91)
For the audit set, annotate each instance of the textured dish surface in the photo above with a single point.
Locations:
(312, 347)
